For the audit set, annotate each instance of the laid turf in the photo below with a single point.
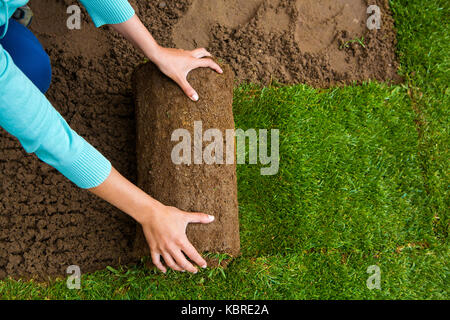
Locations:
(424, 47)
(363, 181)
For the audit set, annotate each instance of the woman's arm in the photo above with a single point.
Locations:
(175, 63)
(27, 114)
(164, 227)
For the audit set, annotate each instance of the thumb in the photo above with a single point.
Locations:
(197, 217)
(188, 90)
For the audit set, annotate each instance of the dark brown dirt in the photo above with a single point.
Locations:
(162, 108)
(293, 41)
(47, 223)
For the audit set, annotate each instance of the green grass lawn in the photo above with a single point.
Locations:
(363, 181)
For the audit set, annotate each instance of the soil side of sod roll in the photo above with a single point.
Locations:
(162, 108)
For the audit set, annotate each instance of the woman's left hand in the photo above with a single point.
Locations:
(174, 63)
(177, 63)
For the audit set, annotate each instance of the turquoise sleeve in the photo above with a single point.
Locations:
(108, 11)
(27, 114)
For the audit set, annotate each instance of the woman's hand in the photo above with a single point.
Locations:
(177, 63)
(165, 230)
(164, 227)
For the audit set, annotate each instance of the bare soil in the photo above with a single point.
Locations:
(293, 41)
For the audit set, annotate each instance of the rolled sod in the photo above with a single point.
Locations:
(183, 164)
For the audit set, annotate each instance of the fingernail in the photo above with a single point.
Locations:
(195, 97)
(195, 271)
(204, 266)
(183, 270)
(221, 71)
(211, 218)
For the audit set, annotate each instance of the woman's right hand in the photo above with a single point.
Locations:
(165, 231)
(164, 227)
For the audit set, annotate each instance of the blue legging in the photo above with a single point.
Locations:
(28, 54)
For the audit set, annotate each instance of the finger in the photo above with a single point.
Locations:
(182, 261)
(171, 263)
(200, 53)
(193, 254)
(188, 90)
(207, 63)
(197, 217)
(156, 259)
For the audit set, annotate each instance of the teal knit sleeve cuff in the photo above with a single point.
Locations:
(108, 11)
(89, 170)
